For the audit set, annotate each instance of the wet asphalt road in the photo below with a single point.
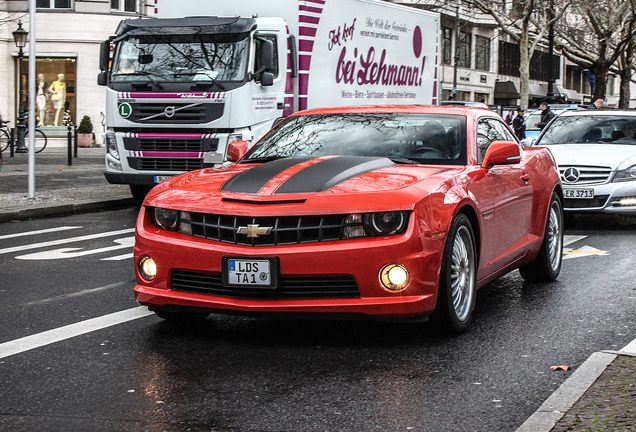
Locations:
(261, 375)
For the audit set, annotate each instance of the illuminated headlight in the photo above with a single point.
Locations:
(375, 224)
(395, 277)
(111, 145)
(625, 202)
(147, 268)
(626, 174)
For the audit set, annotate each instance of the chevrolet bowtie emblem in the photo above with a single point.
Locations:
(253, 230)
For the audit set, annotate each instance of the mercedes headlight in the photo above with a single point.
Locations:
(626, 174)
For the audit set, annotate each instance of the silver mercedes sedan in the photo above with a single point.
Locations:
(596, 154)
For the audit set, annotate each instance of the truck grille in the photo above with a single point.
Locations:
(165, 164)
(171, 144)
(581, 175)
(324, 287)
(167, 113)
(283, 230)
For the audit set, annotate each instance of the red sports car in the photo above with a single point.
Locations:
(385, 212)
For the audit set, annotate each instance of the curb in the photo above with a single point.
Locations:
(557, 405)
(80, 206)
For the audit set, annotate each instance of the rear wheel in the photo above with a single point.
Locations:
(456, 293)
(547, 265)
(5, 140)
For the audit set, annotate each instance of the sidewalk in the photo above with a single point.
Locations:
(600, 394)
(59, 188)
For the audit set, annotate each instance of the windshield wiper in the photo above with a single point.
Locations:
(401, 160)
(210, 80)
(141, 73)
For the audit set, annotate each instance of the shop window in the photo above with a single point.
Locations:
(53, 4)
(55, 92)
(124, 5)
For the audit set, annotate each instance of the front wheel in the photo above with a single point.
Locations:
(39, 141)
(457, 285)
(547, 265)
(5, 140)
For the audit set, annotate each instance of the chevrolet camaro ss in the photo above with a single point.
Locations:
(388, 212)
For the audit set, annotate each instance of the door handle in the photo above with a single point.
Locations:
(525, 177)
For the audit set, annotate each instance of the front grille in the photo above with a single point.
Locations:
(291, 288)
(184, 113)
(587, 174)
(170, 144)
(165, 164)
(596, 202)
(283, 230)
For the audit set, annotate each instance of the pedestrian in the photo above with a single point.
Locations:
(519, 124)
(598, 104)
(546, 115)
(508, 118)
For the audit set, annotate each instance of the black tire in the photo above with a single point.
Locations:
(139, 192)
(457, 285)
(5, 140)
(39, 141)
(182, 317)
(547, 265)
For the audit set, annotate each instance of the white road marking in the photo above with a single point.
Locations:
(42, 231)
(65, 241)
(62, 253)
(569, 239)
(38, 340)
(119, 257)
(582, 252)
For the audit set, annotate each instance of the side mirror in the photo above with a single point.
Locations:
(102, 79)
(267, 79)
(236, 150)
(265, 55)
(104, 55)
(502, 153)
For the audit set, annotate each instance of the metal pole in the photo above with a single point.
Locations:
(21, 126)
(551, 53)
(32, 60)
(456, 50)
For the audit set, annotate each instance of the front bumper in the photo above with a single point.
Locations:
(357, 259)
(612, 198)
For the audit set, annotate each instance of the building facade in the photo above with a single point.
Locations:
(68, 35)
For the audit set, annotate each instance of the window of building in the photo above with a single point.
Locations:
(54, 91)
(53, 4)
(482, 97)
(465, 43)
(124, 5)
(447, 94)
(447, 44)
(482, 53)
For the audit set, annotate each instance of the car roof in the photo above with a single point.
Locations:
(599, 112)
(405, 109)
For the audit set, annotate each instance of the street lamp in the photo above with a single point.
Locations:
(20, 37)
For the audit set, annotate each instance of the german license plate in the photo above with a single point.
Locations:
(250, 272)
(578, 193)
(159, 179)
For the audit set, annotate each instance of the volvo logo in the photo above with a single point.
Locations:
(169, 111)
(571, 175)
(253, 230)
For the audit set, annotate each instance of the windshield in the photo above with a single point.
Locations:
(580, 129)
(531, 119)
(437, 139)
(180, 58)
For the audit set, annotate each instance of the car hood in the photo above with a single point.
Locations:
(608, 155)
(316, 182)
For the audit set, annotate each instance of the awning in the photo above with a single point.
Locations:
(506, 90)
(536, 91)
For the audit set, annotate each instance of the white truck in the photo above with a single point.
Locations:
(179, 88)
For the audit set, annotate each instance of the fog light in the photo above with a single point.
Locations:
(626, 201)
(147, 268)
(395, 277)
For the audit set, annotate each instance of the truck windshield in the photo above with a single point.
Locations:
(180, 58)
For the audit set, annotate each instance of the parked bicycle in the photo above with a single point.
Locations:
(39, 141)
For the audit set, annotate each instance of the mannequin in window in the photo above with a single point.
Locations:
(40, 99)
(58, 96)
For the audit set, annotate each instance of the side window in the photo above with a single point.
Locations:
(505, 132)
(487, 133)
(274, 41)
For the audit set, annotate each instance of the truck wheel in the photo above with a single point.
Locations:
(456, 292)
(547, 265)
(139, 192)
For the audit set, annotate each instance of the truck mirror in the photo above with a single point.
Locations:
(267, 79)
(102, 78)
(145, 59)
(265, 55)
(104, 55)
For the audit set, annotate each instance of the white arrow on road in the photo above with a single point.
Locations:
(63, 253)
(65, 241)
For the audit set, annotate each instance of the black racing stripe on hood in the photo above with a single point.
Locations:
(252, 180)
(330, 172)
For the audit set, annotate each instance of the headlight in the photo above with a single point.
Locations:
(395, 277)
(111, 145)
(165, 218)
(147, 268)
(384, 223)
(626, 174)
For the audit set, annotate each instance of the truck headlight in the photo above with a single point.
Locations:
(111, 145)
(626, 174)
